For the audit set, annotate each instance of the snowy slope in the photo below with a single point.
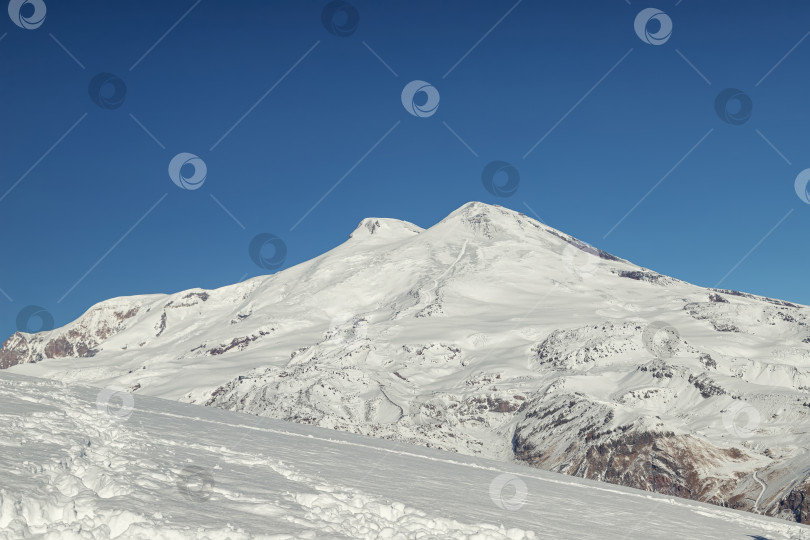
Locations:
(489, 334)
(84, 463)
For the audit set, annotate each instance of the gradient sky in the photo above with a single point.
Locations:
(616, 116)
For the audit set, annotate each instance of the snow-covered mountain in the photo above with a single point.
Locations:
(79, 463)
(489, 334)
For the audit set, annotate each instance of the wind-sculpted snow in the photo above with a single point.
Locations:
(83, 463)
(489, 334)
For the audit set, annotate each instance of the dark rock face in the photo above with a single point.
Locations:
(239, 343)
(14, 351)
(658, 369)
(190, 299)
(497, 405)
(58, 348)
(161, 327)
(627, 455)
(706, 386)
(707, 361)
(372, 226)
(720, 327)
(797, 502)
(637, 460)
(717, 299)
(649, 277)
(756, 297)
(81, 341)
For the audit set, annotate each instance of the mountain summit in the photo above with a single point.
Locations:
(385, 229)
(490, 334)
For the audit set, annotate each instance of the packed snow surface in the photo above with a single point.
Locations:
(85, 463)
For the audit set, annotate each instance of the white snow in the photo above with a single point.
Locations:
(79, 463)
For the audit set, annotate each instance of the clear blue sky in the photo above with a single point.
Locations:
(521, 80)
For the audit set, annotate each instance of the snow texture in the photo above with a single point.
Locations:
(79, 463)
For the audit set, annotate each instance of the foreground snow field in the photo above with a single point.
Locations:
(81, 462)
